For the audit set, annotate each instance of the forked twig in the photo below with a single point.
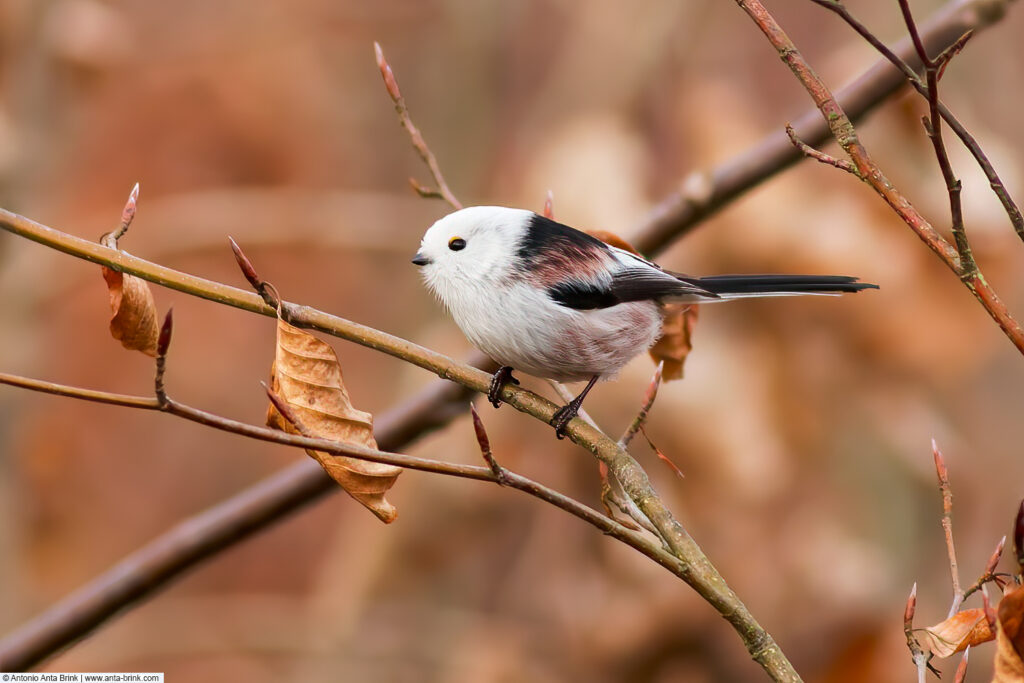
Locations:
(442, 191)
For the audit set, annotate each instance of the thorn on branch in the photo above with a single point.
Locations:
(500, 473)
(818, 155)
(266, 290)
(162, 345)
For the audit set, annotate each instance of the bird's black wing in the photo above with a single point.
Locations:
(628, 284)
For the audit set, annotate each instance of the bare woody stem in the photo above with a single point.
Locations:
(203, 535)
(947, 525)
(698, 571)
(418, 143)
(933, 126)
(255, 508)
(844, 133)
(682, 210)
(303, 440)
(982, 10)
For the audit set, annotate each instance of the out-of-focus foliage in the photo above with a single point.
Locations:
(802, 425)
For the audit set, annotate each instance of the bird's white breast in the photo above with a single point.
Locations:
(521, 326)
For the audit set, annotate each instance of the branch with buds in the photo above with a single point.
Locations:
(252, 510)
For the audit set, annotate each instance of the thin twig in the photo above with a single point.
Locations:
(415, 136)
(304, 441)
(611, 489)
(845, 134)
(682, 210)
(499, 472)
(818, 155)
(919, 655)
(645, 407)
(989, 575)
(992, 12)
(163, 343)
(933, 126)
(207, 533)
(699, 573)
(947, 525)
(270, 500)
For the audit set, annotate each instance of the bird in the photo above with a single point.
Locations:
(554, 302)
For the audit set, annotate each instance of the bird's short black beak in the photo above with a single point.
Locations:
(420, 260)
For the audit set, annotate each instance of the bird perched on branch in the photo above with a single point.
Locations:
(546, 299)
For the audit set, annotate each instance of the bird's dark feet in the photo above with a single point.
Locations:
(564, 415)
(498, 381)
(560, 420)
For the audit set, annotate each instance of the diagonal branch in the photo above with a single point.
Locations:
(418, 143)
(134, 577)
(698, 572)
(267, 502)
(683, 210)
(991, 11)
(844, 133)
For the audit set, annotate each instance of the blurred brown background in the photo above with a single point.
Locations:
(803, 425)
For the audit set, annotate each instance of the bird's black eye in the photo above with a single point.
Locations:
(456, 244)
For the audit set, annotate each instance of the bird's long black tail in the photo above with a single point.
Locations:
(735, 286)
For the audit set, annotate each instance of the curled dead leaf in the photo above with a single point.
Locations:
(969, 627)
(133, 317)
(1009, 665)
(306, 374)
(614, 240)
(675, 342)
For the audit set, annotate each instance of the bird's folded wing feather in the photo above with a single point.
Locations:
(623, 286)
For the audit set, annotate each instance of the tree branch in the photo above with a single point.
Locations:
(844, 133)
(418, 143)
(987, 11)
(698, 572)
(269, 501)
(91, 604)
(683, 210)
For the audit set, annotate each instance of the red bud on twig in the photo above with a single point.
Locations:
(549, 205)
(911, 608)
(385, 71)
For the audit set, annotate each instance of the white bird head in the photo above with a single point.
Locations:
(470, 247)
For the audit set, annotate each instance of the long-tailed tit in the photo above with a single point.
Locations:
(554, 302)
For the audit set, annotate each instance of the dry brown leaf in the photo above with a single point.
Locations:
(969, 627)
(1009, 667)
(674, 344)
(133, 320)
(614, 240)
(306, 374)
